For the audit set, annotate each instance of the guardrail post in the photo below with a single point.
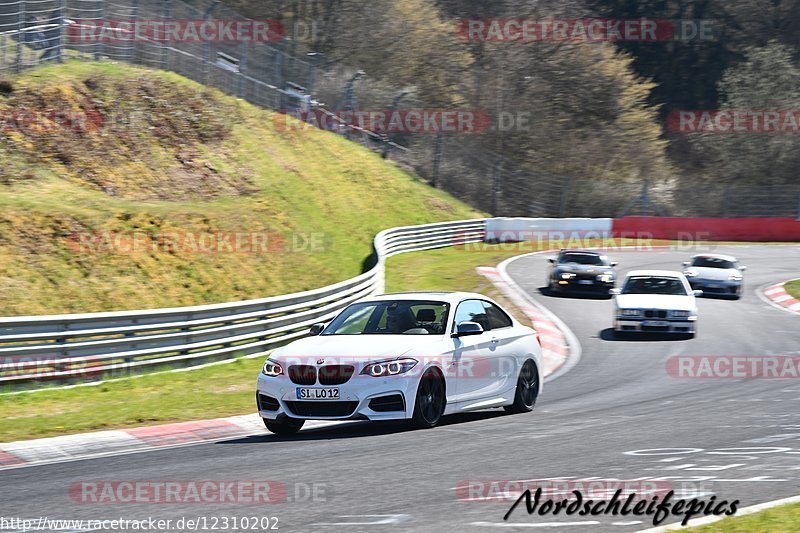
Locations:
(166, 15)
(20, 33)
(132, 47)
(99, 46)
(62, 30)
(240, 89)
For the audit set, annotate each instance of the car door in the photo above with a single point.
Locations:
(504, 351)
(471, 354)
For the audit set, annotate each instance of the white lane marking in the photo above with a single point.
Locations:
(541, 524)
(711, 519)
(383, 519)
(631, 523)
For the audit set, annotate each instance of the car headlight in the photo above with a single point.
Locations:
(272, 369)
(681, 314)
(567, 275)
(389, 368)
(736, 277)
(606, 278)
(630, 312)
(690, 273)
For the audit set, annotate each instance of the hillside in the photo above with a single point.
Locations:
(127, 188)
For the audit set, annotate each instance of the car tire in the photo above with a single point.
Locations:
(527, 390)
(430, 400)
(287, 426)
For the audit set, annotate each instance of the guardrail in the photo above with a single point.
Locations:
(73, 348)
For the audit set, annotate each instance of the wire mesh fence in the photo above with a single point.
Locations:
(274, 70)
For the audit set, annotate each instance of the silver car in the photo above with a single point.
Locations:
(716, 274)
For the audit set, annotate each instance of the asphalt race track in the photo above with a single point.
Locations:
(738, 439)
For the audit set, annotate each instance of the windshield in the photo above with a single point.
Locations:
(712, 262)
(583, 259)
(391, 317)
(654, 285)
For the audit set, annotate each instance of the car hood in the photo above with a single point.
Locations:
(359, 347)
(578, 268)
(655, 301)
(717, 274)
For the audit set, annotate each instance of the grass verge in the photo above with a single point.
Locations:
(783, 519)
(793, 288)
(158, 192)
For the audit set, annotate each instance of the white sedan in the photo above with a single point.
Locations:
(414, 356)
(657, 301)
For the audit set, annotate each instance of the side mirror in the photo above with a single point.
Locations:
(698, 293)
(614, 263)
(615, 292)
(742, 269)
(466, 329)
(316, 329)
(686, 263)
(551, 260)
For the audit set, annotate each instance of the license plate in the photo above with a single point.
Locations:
(317, 394)
(655, 323)
(585, 282)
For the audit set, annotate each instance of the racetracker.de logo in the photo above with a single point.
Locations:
(29, 121)
(178, 492)
(482, 490)
(522, 30)
(87, 31)
(735, 121)
(387, 121)
(733, 367)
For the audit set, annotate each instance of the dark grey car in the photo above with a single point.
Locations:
(584, 271)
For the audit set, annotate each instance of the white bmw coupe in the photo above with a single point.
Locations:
(413, 356)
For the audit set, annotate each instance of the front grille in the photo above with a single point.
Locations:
(655, 314)
(384, 404)
(335, 374)
(586, 276)
(267, 403)
(322, 409)
(303, 374)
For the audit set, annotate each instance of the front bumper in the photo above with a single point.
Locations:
(583, 285)
(711, 286)
(648, 325)
(361, 398)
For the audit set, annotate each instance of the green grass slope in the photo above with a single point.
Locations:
(99, 156)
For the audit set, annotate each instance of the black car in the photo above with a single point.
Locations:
(581, 270)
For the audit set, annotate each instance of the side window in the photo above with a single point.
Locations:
(497, 317)
(472, 311)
